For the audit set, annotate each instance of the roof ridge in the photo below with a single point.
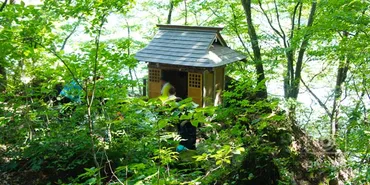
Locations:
(183, 27)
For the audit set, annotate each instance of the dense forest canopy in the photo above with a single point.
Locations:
(295, 111)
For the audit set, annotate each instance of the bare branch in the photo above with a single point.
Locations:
(70, 34)
(317, 98)
(269, 20)
(206, 20)
(111, 169)
(210, 171)
(128, 37)
(65, 64)
(367, 92)
(235, 30)
(322, 70)
(278, 20)
(195, 17)
(272, 36)
(308, 117)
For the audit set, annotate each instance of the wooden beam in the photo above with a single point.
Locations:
(179, 68)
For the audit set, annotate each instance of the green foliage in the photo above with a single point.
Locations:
(91, 175)
(112, 138)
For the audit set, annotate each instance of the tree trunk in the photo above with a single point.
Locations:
(293, 76)
(186, 13)
(262, 91)
(3, 80)
(3, 5)
(169, 17)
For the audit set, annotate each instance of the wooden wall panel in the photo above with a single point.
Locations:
(154, 85)
(195, 87)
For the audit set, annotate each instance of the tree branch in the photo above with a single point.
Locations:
(269, 20)
(317, 98)
(3, 5)
(65, 64)
(293, 21)
(206, 20)
(367, 92)
(235, 30)
(299, 16)
(279, 24)
(111, 169)
(322, 70)
(70, 34)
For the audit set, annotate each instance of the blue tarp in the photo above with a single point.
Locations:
(72, 91)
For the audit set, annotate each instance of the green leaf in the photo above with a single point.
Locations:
(162, 123)
(186, 116)
(195, 123)
(239, 150)
(262, 125)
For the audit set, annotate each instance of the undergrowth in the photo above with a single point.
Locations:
(248, 141)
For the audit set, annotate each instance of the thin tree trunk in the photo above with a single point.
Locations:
(137, 81)
(90, 100)
(341, 77)
(132, 79)
(129, 53)
(262, 92)
(289, 76)
(186, 13)
(169, 17)
(3, 80)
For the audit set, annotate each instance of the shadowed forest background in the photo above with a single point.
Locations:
(294, 112)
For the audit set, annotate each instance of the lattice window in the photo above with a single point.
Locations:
(195, 80)
(154, 75)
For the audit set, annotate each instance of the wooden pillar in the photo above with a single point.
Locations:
(208, 88)
(219, 84)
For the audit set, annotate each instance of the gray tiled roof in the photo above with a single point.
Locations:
(188, 46)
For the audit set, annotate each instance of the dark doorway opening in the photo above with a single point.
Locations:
(179, 80)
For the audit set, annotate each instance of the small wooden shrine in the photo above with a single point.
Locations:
(192, 58)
